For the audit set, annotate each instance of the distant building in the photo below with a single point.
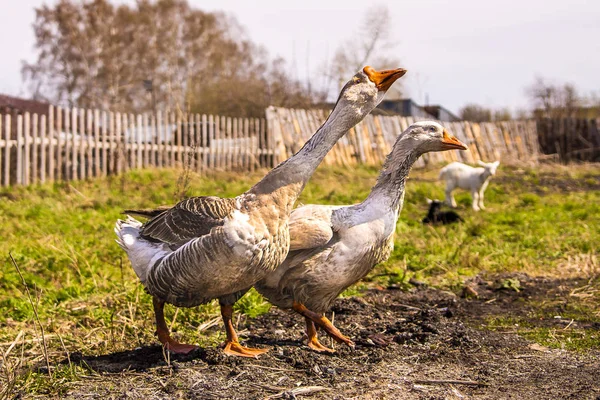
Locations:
(408, 108)
(441, 113)
(16, 105)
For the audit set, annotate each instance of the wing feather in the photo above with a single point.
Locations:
(310, 227)
(188, 219)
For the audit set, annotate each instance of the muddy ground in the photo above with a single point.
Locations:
(409, 345)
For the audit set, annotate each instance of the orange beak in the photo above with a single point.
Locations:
(451, 143)
(383, 79)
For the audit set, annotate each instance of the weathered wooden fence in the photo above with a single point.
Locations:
(69, 144)
(372, 139)
(571, 139)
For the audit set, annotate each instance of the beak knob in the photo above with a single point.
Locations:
(451, 142)
(383, 79)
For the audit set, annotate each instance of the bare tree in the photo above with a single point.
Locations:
(475, 113)
(551, 100)
(502, 114)
(370, 45)
(569, 100)
(521, 114)
(92, 53)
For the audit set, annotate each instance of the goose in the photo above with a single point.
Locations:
(333, 247)
(206, 248)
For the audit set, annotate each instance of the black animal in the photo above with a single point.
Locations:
(437, 216)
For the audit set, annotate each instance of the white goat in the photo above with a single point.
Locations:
(458, 175)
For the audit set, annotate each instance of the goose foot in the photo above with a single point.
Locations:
(178, 348)
(318, 347)
(162, 331)
(313, 340)
(338, 337)
(236, 349)
(232, 345)
(324, 323)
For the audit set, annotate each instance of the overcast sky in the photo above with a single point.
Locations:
(456, 52)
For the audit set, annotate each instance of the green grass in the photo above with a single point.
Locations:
(61, 236)
(579, 340)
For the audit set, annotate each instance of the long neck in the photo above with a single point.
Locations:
(389, 189)
(297, 170)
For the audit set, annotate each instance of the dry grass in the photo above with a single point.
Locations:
(88, 301)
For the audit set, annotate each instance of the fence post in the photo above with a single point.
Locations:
(103, 152)
(204, 142)
(87, 157)
(50, 133)
(8, 144)
(109, 149)
(216, 142)
(227, 142)
(34, 148)
(128, 139)
(76, 142)
(139, 138)
(153, 141)
(43, 148)
(72, 151)
(210, 142)
(3, 144)
(26, 165)
(19, 149)
(119, 150)
(257, 156)
(60, 136)
(161, 137)
(179, 131)
(172, 149)
(96, 140)
(146, 140)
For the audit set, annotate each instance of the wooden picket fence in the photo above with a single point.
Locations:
(570, 139)
(71, 144)
(369, 142)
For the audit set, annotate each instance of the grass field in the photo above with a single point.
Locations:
(540, 222)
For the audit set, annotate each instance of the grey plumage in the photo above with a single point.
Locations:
(188, 219)
(207, 247)
(335, 246)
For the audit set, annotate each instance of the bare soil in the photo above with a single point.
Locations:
(421, 344)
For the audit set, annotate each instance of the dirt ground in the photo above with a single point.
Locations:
(421, 344)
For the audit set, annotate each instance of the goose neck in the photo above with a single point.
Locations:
(297, 170)
(389, 189)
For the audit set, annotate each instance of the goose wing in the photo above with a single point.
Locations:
(188, 219)
(311, 227)
(147, 212)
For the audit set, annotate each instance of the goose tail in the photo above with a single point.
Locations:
(142, 253)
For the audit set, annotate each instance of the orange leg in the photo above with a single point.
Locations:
(232, 345)
(324, 323)
(313, 340)
(162, 331)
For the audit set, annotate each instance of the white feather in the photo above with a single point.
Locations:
(142, 253)
(240, 234)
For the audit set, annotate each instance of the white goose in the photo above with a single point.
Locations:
(209, 247)
(332, 247)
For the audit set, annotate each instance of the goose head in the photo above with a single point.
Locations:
(366, 90)
(428, 136)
